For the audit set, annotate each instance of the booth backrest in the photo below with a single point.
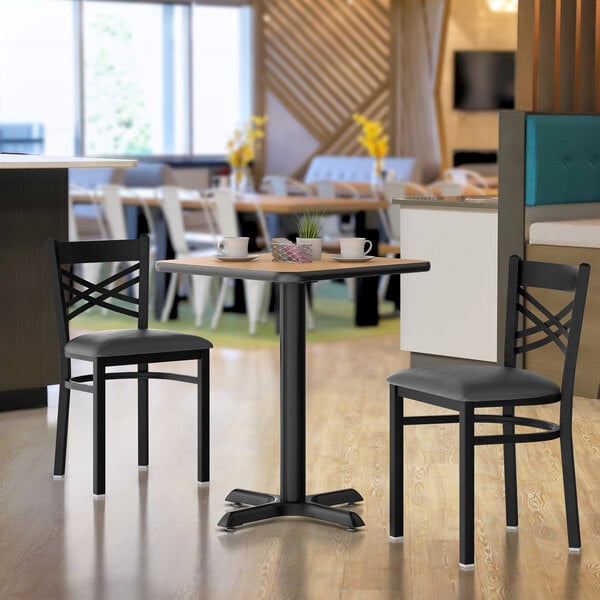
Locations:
(360, 168)
(562, 159)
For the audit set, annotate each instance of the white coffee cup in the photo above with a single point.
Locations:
(233, 246)
(354, 247)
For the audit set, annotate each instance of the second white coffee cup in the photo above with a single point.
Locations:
(233, 246)
(355, 247)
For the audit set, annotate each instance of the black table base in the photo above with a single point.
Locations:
(314, 506)
(293, 500)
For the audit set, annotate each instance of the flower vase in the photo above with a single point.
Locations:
(238, 179)
(377, 177)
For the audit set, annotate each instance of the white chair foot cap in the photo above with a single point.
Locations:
(466, 567)
(512, 527)
(575, 550)
(397, 538)
(142, 467)
(58, 476)
(203, 483)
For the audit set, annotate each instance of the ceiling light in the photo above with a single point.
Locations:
(506, 6)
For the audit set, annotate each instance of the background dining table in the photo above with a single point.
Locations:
(366, 302)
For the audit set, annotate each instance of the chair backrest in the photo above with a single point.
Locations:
(446, 188)
(465, 177)
(225, 213)
(170, 202)
(109, 196)
(531, 324)
(397, 189)
(330, 188)
(281, 185)
(73, 295)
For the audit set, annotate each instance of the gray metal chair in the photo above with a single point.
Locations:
(139, 346)
(465, 388)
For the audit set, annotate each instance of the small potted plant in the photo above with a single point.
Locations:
(309, 232)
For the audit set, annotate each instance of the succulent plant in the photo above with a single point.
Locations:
(309, 224)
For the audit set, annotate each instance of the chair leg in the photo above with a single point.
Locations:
(467, 487)
(254, 291)
(143, 417)
(62, 423)
(200, 290)
(204, 417)
(170, 298)
(570, 488)
(396, 465)
(310, 319)
(99, 428)
(219, 304)
(510, 472)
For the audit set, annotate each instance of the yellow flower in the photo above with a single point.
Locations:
(373, 138)
(242, 146)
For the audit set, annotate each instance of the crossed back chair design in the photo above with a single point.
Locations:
(139, 346)
(464, 388)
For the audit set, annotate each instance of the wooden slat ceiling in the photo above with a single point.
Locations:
(325, 60)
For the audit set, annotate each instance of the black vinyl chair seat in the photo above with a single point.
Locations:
(482, 385)
(133, 342)
(466, 388)
(125, 291)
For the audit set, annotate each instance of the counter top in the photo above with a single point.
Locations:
(487, 202)
(35, 161)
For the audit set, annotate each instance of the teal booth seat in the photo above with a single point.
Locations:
(562, 163)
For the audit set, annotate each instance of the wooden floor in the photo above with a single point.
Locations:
(154, 535)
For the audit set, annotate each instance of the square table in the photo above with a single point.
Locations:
(292, 279)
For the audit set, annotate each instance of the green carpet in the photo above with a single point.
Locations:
(332, 311)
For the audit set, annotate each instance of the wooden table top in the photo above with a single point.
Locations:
(266, 269)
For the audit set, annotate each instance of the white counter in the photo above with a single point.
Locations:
(34, 161)
(33, 208)
(451, 311)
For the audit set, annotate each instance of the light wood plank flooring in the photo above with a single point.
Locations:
(154, 536)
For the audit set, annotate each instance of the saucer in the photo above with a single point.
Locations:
(236, 258)
(341, 258)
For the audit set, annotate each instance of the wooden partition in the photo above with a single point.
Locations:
(558, 65)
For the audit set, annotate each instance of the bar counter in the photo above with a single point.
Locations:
(33, 207)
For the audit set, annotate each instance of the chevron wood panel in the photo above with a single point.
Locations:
(325, 60)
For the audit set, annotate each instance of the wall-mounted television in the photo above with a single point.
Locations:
(484, 79)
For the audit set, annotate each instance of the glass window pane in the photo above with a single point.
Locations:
(135, 82)
(221, 56)
(37, 77)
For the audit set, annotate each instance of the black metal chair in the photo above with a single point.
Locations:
(464, 388)
(73, 295)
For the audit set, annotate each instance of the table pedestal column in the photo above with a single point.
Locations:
(293, 500)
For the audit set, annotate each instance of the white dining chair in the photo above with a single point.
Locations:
(465, 177)
(255, 292)
(199, 285)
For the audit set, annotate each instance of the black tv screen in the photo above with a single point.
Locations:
(484, 79)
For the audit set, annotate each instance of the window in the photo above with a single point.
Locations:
(37, 77)
(119, 78)
(221, 61)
